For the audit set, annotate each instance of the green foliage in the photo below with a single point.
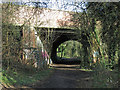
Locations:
(107, 14)
(100, 23)
(70, 49)
(103, 78)
(11, 44)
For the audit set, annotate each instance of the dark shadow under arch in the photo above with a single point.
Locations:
(66, 37)
(61, 35)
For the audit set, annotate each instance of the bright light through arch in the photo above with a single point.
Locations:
(70, 49)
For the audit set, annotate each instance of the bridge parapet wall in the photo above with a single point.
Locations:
(37, 17)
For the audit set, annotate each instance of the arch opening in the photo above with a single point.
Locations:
(70, 50)
(63, 38)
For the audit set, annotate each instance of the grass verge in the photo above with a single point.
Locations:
(21, 78)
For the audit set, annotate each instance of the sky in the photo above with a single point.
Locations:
(66, 5)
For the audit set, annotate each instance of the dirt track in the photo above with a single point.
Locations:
(67, 76)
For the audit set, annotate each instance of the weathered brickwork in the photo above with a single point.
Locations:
(37, 17)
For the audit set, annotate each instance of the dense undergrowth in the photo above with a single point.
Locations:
(105, 78)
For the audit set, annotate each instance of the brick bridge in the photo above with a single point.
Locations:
(60, 35)
(52, 27)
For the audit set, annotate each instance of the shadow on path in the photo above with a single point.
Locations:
(67, 76)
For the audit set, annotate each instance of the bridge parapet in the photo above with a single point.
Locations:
(37, 17)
